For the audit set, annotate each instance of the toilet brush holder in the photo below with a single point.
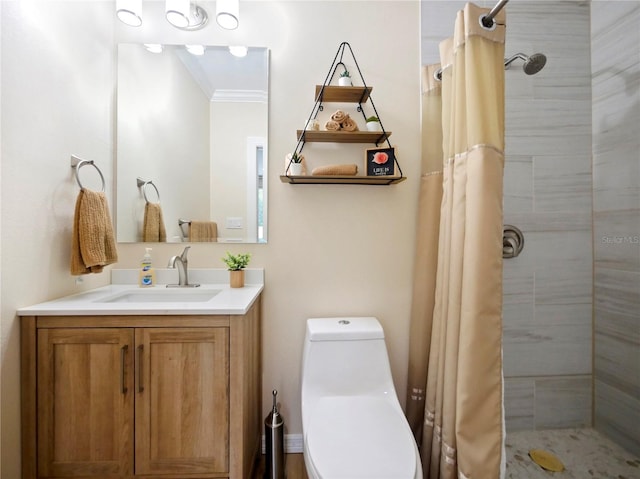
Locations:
(274, 442)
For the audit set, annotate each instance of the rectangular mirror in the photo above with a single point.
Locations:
(196, 127)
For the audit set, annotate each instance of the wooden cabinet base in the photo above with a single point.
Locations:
(171, 397)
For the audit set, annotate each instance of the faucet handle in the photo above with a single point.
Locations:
(183, 256)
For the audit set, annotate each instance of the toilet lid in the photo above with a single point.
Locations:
(360, 437)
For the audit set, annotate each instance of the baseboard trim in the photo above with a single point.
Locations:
(293, 444)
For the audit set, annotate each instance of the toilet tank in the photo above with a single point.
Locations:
(345, 356)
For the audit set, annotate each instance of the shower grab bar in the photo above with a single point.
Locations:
(143, 184)
(77, 163)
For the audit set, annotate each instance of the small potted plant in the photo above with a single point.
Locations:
(236, 264)
(295, 165)
(373, 123)
(345, 79)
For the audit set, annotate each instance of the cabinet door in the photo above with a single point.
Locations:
(85, 402)
(182, 400)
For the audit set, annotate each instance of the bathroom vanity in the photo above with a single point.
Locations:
(124, 382)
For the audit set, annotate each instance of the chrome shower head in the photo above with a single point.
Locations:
(532, 64)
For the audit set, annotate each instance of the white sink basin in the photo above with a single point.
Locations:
(160, 295)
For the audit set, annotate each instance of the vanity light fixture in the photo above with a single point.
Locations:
(228, 13)
(238, 51)
(154, 47)
(185, 15)
(129, 12)
(197, 50)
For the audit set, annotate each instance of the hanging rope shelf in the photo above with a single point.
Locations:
(327, 93)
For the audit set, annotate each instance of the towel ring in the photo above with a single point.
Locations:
(77, 163)
(143, 184)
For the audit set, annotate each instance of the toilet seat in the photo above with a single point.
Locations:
(354, 437)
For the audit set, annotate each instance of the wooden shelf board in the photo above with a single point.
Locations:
(323, 136)
(341, 180)
(346, 94)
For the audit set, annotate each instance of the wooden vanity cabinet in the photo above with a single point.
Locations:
(141, 396)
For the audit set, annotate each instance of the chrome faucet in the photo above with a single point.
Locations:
(183, 273)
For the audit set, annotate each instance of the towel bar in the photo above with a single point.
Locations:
(143, 184)
(77, 163)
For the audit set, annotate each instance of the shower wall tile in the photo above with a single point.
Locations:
(617, 300)
(518, 184)
(615, 59)
(617, 239)
(519, 404)
(548, 328)
(616, 184)
(518, 281)
(563, 402)
(548, 127)
(517, 293)
(567, 284)
(617, 415)
(547, 403)
(561, 347)
(562, 183)
(562, 37)
(617, 363)
(617, 329)
(563, 221)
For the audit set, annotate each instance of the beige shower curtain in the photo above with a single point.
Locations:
(454, 401)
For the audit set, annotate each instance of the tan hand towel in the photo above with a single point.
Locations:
(339, 116)
(346, 170)
(93, 244)
(153, 224)
(349, 125)
(203, 231)
(332, 125)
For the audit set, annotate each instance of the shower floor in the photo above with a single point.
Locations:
(585, 453)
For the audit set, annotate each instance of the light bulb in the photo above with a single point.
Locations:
(129, 12)
(228, 13)
(238, 51)
(177, 12)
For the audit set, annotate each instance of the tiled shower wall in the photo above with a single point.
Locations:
(615, 48)
(547, 185)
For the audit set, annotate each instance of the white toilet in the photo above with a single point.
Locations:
(352, 421)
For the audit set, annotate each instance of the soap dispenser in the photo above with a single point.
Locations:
(147, 273)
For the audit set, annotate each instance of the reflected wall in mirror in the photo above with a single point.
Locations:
(195, 126)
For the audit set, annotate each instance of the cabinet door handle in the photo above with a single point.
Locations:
(140, 368)
(123, 357)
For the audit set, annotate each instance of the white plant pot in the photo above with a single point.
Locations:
(344, 81)
(373, 126)
(295, 169)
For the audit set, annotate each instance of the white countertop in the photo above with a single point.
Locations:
(228, 300)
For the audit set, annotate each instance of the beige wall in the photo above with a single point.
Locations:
(333, 250)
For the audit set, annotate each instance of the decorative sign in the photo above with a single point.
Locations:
(380, 162)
